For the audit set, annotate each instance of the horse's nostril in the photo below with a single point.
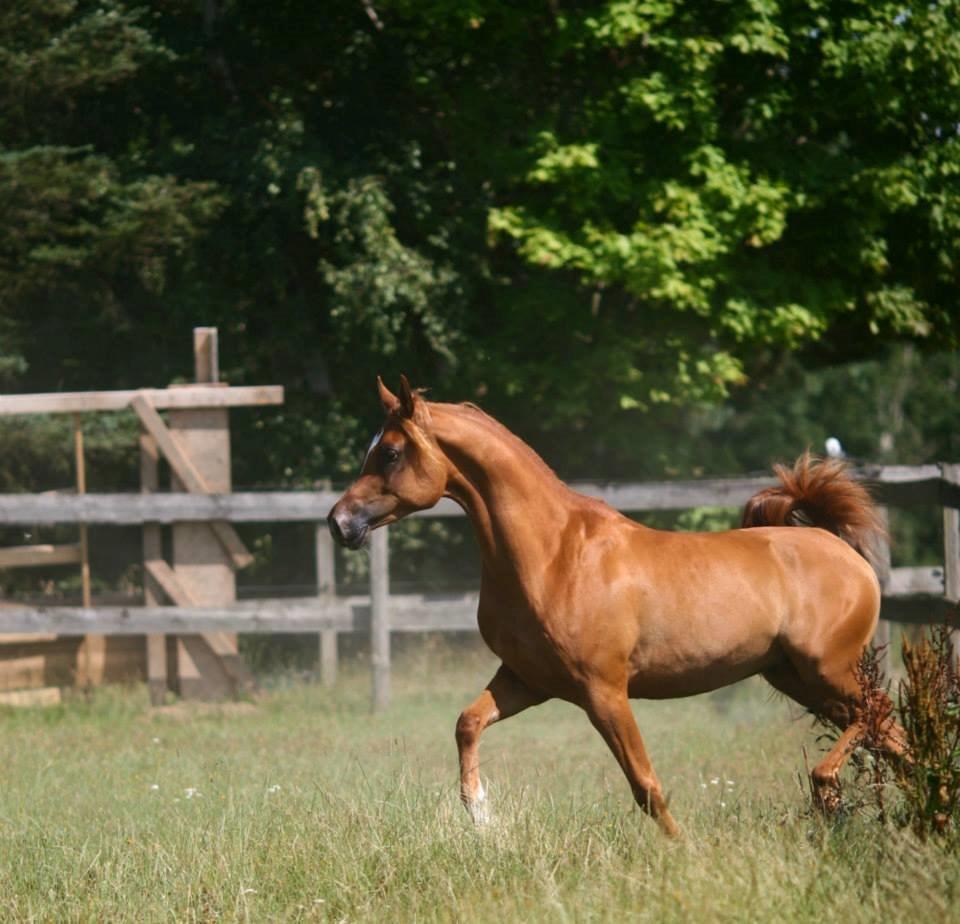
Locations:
(334, 528)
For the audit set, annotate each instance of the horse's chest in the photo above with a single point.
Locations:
(522, 640)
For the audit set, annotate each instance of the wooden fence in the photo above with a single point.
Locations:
(911, 594)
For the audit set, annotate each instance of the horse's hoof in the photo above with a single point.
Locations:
(478, 808)
(828, 798)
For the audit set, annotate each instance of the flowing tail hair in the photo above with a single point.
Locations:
(819, 492)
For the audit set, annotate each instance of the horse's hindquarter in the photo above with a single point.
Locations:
(708, 609)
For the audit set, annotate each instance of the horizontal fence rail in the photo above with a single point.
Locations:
(899, 486)
(177, 397)
(408, 613)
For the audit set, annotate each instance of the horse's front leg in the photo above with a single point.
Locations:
(504, 696)
(609, 710)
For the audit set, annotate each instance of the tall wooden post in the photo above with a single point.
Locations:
(380, 618)
(326, 589)
(152, 551)
(200, 562)
(92, 654)
(951, 550)
(81, 468)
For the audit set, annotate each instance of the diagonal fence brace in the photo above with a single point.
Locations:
(188, 475)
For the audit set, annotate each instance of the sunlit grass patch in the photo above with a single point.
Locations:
(306, 807)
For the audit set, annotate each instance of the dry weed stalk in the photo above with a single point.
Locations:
(927, 777)
(929, 708)
(876, 715)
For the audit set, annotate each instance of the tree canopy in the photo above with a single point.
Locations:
(599, 220)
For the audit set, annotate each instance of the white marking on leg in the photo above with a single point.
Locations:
(479, 807)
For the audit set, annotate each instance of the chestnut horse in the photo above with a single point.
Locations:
(583, 604)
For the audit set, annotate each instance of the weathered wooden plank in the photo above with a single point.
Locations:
(919, 609)
(326, 587)
(208, 664)
(675, 495)
(949, 485)
(29, 639)
(39, 696)
(306, 506)
(900, 485)
(37, 660)
(206, 354)
(168, 582)
(92, 656)
(191, 396)
(28, 556)
(951, 551)
(881, 565)
(920, 580)
(408, 613)
(179, 461)
(173, 620)
(951, 539)
(158, 680)
(134, 509)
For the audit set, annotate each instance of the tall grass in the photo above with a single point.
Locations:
(306, 807)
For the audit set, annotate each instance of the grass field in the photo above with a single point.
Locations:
(305, 807)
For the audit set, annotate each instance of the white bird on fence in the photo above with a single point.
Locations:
(834, 449)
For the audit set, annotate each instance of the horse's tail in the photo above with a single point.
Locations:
(819, 492)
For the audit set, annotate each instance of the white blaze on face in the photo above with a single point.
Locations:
(373, 445)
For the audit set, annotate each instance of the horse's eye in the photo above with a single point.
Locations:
(389, 454)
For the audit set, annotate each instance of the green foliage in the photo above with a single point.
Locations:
(601, 220)
(746, 175)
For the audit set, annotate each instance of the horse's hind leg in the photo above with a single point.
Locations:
(609, 711)
(836, 696)
(504, 696)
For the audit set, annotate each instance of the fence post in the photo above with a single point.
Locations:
(152, 551)
(326, 589)
(380, 618)
(951, 549)
(881, 564)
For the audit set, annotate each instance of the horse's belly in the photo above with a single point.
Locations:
(673, 681)
(697, 655)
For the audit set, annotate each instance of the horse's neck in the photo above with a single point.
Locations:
(517, 505)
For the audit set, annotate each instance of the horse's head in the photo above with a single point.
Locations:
(403, 470)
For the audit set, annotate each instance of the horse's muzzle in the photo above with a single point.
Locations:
(346, 531)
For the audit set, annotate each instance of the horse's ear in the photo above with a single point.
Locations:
(408, 398)
(388, 399)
